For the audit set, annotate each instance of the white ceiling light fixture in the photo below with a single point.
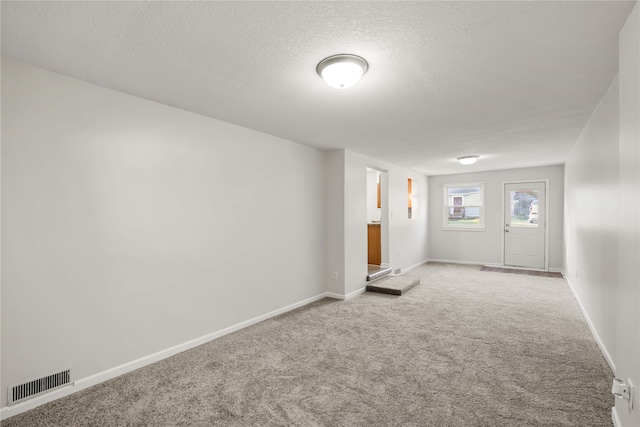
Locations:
(342, 71)
(468, 160)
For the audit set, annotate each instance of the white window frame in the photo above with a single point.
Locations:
(446, 207)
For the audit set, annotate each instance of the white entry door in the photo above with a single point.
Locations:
(525, 222)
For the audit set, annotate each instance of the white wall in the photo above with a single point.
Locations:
(373, 211)
(592, 209)
(407, 237)
(129, 227)
(628, 317)
(602, 232)
(334, 221)
(485, 247)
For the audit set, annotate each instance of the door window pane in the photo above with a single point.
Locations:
(524, 208)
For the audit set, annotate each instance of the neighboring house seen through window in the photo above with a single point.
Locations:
(464, 206)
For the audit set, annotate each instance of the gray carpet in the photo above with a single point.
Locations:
(520, 271)
(462, 349)
(393, 285)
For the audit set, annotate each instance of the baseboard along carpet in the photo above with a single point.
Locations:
(463, 349)
(520, 271)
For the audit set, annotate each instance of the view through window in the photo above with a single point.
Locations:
(464, 206)
(524, 208)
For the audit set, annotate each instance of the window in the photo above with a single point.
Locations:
(464, 206)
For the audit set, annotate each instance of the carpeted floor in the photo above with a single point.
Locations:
(520, 271)
(461, 349)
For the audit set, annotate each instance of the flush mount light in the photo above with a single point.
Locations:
(467, 160)
(342, 71)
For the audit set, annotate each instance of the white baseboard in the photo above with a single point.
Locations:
(514, 267)
(490, 264)
(355, 293)
(83, 383)
(601, 345)
(334, 295)
(411, 267)
(614, 417)
(347, 296)
(454, 261)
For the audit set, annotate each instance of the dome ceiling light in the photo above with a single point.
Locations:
(468, 160)
(342, 71)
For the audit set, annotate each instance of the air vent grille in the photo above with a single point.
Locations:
(33, 388)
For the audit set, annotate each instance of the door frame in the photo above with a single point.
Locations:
(546, 222)
(384, 215)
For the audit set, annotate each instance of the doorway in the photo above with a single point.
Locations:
(525, 223)
(374, 218)
(377, 222)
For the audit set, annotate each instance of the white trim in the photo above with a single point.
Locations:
(490, 264)
(384, 216)
(83, 383)
(455, 261)
(614, 418)
(350, 295)
(334, 295)
(601, 345)
(547, 218)
(347, 296)
(496, 265)
(355, 293)
(513, 267)
(445, 193)
(411, 267)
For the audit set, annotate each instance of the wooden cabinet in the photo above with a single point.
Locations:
(373, 237)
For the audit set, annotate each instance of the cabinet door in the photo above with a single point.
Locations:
(375, 251)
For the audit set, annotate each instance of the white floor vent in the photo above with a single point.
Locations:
(34, 388)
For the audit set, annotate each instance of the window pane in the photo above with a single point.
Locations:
(463, 206)
(524, 208)
(464, 196)
(456, 219)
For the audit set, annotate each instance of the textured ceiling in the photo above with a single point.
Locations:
(514, 82)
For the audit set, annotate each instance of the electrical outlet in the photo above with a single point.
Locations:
(335, 275)
(622, 390)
